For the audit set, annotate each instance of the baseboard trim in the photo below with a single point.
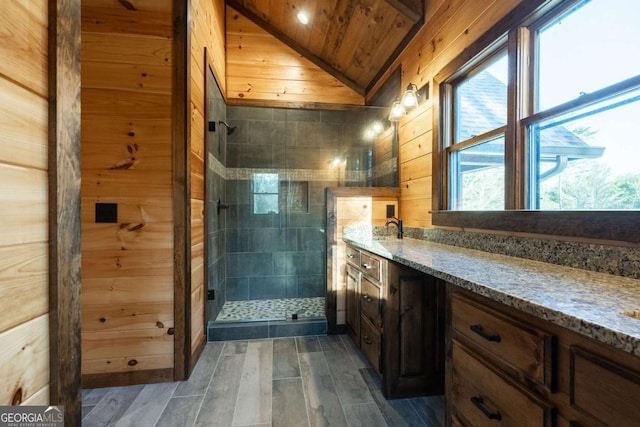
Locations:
(118, 379)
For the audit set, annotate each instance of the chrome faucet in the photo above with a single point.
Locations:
(398, 223)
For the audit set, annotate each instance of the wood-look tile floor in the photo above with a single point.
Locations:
(301, 381)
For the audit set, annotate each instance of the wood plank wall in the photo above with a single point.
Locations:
(206, 30)
(127, 266)
(24, 338)
(262, 69)
(450, 26)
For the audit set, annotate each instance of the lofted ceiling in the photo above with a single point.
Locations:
(354, 40)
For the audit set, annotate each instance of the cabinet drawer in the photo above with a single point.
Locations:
(483, 398)
(524, 348)
(370, 266)
(353, 256)
(604, 390)
(370, 343)
(370, 298)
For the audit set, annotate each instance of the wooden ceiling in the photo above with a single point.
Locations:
(354, 40)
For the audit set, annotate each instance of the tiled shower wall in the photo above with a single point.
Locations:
(282, 254)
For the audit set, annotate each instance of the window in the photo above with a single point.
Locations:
(265, 193)
(476, 157)
(583, 152)
(562, 133)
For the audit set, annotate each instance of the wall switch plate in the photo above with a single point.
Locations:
(211, 294)
(106, 213)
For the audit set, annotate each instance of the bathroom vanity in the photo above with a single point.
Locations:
(395, 314)
(526, 343)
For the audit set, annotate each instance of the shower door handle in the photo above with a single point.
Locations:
(220, 206)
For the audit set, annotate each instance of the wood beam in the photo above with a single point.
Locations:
(181, 191)
(343, 78)
(413, 12)
(65, 386)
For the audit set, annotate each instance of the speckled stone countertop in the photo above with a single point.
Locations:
(583, 301)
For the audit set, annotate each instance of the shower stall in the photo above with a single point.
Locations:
(267, 250)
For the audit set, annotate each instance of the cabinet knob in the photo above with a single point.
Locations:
(479, 402)
(478, 329)
(366, 340)
(367, 298)
(367, 266)
(350, 256)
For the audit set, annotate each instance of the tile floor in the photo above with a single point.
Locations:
(301, 381)
(272, 309)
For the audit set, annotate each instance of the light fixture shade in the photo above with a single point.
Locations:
(397, 112)
(410, 99)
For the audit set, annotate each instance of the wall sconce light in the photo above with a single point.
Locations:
(410, 97)
(397, 111)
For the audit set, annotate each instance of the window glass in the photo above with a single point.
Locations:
(587, 48)
(480, 103)
(477, 176)
(580, 155)
(265, 193)
(590, 158)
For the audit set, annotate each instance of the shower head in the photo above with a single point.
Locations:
(230, 129)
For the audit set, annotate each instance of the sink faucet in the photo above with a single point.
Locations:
(398, 223)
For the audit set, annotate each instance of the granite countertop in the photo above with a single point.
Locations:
(583, 301)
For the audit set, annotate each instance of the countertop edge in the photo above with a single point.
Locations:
(599, 331)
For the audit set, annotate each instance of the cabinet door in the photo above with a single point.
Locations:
(352, 307)
(607, 392)
(413, 334)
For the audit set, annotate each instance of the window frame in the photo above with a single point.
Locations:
(517, 28)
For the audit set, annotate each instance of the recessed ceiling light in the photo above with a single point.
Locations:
(303, 17)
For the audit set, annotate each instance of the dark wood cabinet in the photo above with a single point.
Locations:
(396, 316)
(506, 367)
(366, 287)
(497, 363)
(414, 333)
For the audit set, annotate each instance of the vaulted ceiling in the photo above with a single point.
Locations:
(354, 40)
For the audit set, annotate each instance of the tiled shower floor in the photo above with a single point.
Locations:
(272, 309)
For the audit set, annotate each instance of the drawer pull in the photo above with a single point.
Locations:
(366, 340)
(479, 402)
(367, 298)
(367, 266)
(478, 329)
